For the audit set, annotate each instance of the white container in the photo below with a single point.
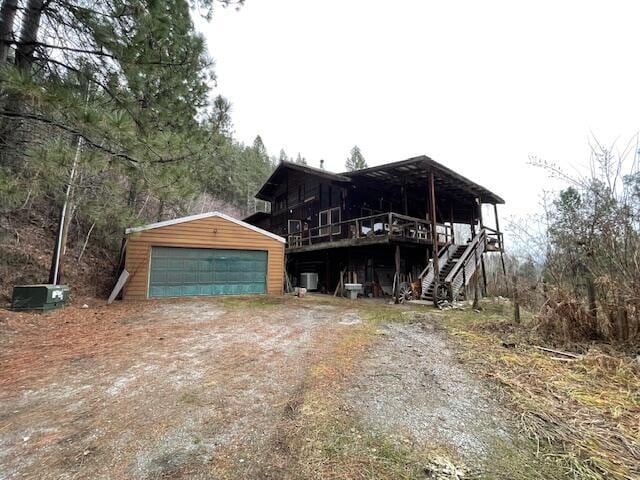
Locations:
(309, 280)
(353, 289)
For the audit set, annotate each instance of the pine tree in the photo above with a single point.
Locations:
(258, 146)
(131, 79)
(356, 160)
(301, 160)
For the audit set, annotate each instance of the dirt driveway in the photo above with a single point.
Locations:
(227, 388)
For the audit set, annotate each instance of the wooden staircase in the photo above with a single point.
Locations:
(449, 264)
(457, 265)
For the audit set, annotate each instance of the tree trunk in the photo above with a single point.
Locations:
(622, 319)
(591, 296)
(7, 18)
(65, 237)
(66, 213)
(132, 198)
(29, 35)
(12, 132)
(516, 300)
(160, 211)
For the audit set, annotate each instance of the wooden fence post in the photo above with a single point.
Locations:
(516, 300)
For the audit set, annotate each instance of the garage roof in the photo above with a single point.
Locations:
(200, 216)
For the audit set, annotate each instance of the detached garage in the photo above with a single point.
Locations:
(206, 254)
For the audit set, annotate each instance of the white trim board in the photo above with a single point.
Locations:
(200, 216)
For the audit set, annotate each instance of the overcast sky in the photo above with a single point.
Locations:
(477, 86)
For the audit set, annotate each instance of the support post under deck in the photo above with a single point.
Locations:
(500, 238)
(396, 291)
(434, 236)
(484, 270)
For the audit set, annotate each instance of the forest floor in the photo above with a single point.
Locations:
(261, 388)
(26, 247)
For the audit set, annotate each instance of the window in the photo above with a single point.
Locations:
(301, 193)
(329, 217)
(367, 224)
(322, 221)
(281, 202)
(335, 218)
(294, 228)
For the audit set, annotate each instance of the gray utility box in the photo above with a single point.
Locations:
(39, 297)
(309, 280)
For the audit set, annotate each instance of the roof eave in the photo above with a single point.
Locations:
(200, 216)
(263, 195)
(475, 188)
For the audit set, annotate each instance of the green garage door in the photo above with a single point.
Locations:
(180, 272)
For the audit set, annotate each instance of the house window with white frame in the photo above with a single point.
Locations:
(326, 219)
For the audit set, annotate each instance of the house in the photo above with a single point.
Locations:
(205, 254)
(386, 227)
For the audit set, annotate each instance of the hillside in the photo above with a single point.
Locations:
(26, 244)
(27, 239)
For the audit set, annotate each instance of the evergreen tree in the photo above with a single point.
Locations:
(301, 160)
(119, 95)
(221, 116)
(260, 149)
(356, 160)
(283, 156)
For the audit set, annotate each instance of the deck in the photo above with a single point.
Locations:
(371, 230)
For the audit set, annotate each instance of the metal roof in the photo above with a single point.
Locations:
(416, 170)
(266, 191)
(200, 216)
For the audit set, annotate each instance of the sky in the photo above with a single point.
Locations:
(478, 86)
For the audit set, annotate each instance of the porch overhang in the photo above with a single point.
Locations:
(414, 172)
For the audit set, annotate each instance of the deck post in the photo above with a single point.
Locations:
(451, 222)
(484, 270)
(473, 222)
(434, 235)
(504, 270)
(396, 292)
(404, 198)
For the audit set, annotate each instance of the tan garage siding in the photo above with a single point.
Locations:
(211, 232)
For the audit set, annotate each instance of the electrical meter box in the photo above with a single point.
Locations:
(39, 297)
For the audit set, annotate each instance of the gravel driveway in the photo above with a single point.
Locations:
(197, 388)
(163, 389)
(411, 386)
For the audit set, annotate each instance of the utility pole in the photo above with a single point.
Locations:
(58, 255)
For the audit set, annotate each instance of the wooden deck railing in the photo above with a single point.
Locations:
(391, 225)
(494, 240)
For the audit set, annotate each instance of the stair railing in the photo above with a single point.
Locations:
(427, 274)
(466, 265)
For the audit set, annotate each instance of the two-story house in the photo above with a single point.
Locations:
(384, 227)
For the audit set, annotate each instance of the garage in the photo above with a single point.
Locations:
(181, 272)
(202, 255)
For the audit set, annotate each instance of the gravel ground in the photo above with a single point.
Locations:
(182, 389)
(198, 388)
(411, 386)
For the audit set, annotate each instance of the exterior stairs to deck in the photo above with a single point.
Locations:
(428, 286)
(458, 263)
